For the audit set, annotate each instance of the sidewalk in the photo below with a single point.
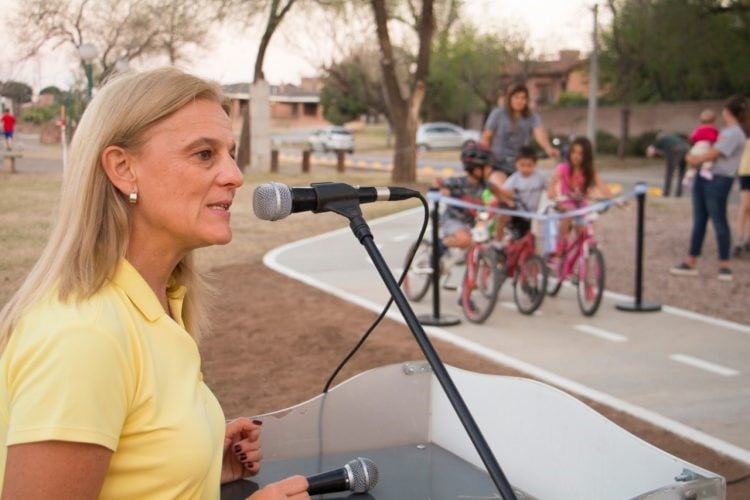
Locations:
(682, 371)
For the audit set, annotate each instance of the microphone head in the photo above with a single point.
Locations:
(364, 474)
(272, 201)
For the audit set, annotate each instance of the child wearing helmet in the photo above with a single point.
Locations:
(456, 222)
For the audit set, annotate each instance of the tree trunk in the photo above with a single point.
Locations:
(243, 150)
(624, 130)
(403, 112)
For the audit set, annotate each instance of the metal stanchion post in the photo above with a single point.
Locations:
(274, 161)
(339, 161)
(436, 319)
(306, 161)
(638, 305)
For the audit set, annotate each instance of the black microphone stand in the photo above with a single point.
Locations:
(348, 206)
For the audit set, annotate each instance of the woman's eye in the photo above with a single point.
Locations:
(206, 154)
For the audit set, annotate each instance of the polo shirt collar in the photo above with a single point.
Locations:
(129, 280)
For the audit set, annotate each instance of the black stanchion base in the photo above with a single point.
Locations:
(635, 307)
(444, 320)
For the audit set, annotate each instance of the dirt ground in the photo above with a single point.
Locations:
(276, 340)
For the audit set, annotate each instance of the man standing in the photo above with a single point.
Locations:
(673, 147)
(9, 123)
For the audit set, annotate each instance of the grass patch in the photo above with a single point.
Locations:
(28, 203)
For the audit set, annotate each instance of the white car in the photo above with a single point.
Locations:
(331, 139)
(443, 135)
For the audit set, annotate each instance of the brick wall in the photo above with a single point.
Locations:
(667, 117)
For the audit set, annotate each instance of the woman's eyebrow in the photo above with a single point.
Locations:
(209, 141)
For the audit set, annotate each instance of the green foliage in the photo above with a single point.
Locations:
(52, 90)
(352, 88)
(668, 50)
(606, 143)
(637, 145)
(465, 73)
(41, 114)
(340, 107)
(572, 99)
(16, 91)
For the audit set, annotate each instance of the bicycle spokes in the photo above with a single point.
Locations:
(481, 284)
(591, 281)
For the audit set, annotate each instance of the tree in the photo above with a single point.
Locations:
(352, 88)
(624, 55)
(404, 104)
(18, 92)
(257, 126)
(658, 50)
(119, 29)
(465, 73)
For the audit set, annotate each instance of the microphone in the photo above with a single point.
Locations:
(274, 201)
(358, 475)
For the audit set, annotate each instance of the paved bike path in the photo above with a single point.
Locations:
(684, 371)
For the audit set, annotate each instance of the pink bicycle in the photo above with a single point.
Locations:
(582, 262)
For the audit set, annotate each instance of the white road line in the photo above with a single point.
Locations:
(676, 311)
(704, 365)
(402, 237)
(601, 333)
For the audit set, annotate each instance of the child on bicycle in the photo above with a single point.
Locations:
(522, 191)
(456, 222)
(571, 184)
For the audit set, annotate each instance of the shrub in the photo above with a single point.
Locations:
(606, 143)
(41, 114)
(637, 145)
(572, 99)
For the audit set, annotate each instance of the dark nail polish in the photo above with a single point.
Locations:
(237, 448)
(243, 457)
(249, 465)
(258, 422)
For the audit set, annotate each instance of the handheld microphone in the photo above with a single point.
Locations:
(358, 475)
(274, 201)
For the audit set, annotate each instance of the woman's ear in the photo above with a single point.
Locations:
(118, 166)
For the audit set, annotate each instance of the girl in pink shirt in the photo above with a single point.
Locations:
(571, 183)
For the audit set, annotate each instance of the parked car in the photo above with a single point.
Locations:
(443, 135)
(331, 139)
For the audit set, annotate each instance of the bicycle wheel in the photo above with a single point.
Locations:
(554, 283)
(418, 279)
(530, 285)
(481, 284)
(591, 282)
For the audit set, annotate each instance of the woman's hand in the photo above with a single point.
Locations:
(553, 153)
(294, 488)
(242, 450)
(692, 159)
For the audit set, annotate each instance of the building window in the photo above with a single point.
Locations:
(310, 109)
(544, 94)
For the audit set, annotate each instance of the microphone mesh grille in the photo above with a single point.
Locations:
(365, 474)
(272, 201)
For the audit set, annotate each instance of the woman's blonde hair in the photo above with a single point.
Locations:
(91, 234)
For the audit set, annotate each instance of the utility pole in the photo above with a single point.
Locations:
(593, 82)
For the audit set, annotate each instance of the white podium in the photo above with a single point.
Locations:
(549, 444)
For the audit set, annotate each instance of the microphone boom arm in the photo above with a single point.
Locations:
(350, 209)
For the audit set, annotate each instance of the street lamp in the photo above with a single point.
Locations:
(88, 54)
(122, 65)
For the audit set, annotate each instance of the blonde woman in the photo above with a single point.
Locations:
(101, 393)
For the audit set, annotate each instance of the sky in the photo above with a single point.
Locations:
(297, 50)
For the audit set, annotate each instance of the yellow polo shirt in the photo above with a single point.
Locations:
(117, 371)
